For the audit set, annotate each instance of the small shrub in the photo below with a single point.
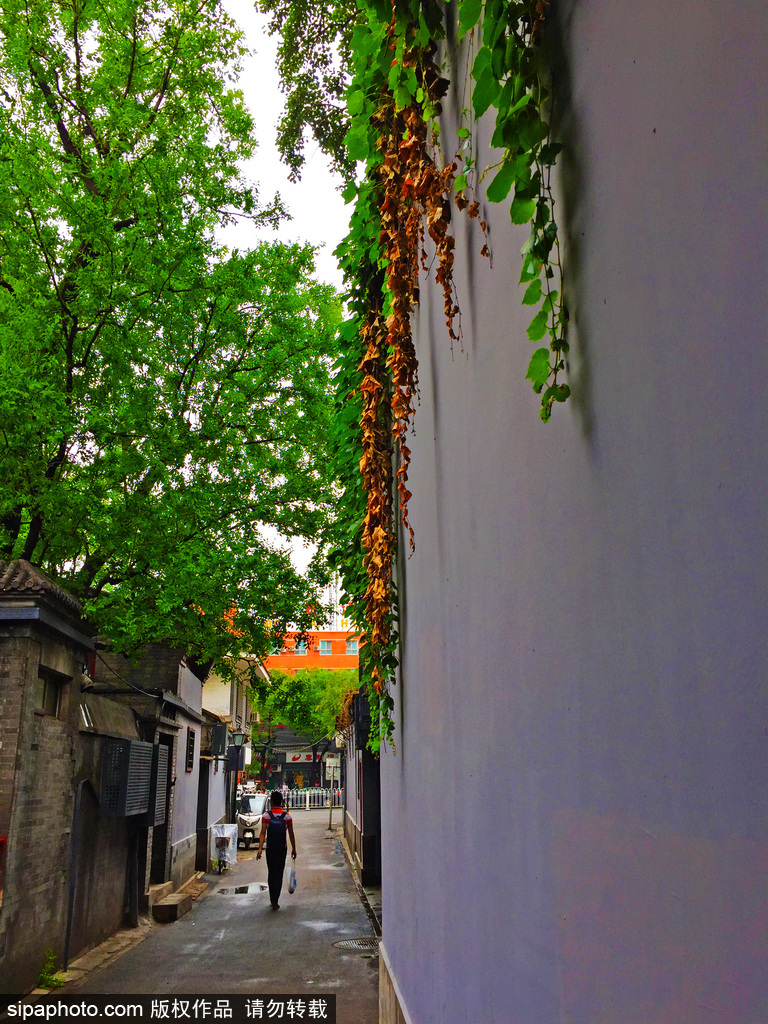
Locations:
(47, 977)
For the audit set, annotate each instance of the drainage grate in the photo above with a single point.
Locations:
(370, 942)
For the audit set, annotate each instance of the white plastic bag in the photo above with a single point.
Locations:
(292, 879)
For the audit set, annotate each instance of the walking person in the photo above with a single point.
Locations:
(276, 826)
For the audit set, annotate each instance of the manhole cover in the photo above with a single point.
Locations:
(368, 943)
(240, 889)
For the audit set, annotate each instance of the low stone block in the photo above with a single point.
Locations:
(171, 908)
(155, 894)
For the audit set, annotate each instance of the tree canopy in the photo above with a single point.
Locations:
(313, 59)
(161, 397)
(309, 700)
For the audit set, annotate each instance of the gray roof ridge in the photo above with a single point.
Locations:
(20, 577)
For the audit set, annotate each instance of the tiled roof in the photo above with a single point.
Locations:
(21, 579)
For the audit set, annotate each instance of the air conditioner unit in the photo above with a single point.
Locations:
(126, 777)
(316, 647)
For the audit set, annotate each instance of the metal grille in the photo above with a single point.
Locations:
(370, 942)
(139, 778)
(125, 778)
(161, 784)
(111, 779)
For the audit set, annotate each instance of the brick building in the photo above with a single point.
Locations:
(164, 688)
(109, 777)
(52, 736)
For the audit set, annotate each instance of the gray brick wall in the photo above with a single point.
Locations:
(154, 665)
(42, 760)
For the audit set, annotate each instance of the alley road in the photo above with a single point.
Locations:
(234, 943)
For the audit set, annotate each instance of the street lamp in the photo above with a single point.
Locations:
(238, 739)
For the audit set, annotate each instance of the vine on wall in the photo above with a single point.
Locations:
(510, 74)
(404, 196)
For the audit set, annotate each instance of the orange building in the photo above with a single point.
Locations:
(324, 648)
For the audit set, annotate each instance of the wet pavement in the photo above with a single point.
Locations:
(232, 942)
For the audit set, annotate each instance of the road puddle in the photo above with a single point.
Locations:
(242, 890)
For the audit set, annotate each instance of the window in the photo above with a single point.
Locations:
(325, 646)
(190, 749)
(50, 688)
(351, 646)
(253, 803)
(301, 647)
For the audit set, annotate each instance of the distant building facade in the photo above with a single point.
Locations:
(323, 648)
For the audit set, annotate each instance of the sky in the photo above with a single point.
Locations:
(319, 214)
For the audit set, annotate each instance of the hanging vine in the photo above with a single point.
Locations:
(403, 197)
(510, 74)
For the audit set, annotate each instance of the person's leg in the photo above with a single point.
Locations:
(275, 868)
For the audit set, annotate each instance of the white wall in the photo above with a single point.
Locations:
(217, 696)
(584, 617)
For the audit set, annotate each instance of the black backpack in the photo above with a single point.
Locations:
(276, 830)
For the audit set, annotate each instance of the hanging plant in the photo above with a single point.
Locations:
(404, 197)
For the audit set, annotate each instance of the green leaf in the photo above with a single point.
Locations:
(487, 87)
(469, 15)
(538, 326)
(498, 189)
(530, 269)
(357, 142)
(522, 210)
(485, 93)
(532, 293)
(355, 101)
(463, 133)
(403, 96)
(548, 154)
(461, 182)
(538, 368)
(524, 100)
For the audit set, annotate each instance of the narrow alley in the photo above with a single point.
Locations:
(231, 942)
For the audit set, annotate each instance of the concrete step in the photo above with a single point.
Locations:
(155, 894)
(171, 908)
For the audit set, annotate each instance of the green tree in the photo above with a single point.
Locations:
(309, 701)
(313, 58)
(263, 738)
(161, 397)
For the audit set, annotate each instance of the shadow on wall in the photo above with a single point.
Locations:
(571, 179)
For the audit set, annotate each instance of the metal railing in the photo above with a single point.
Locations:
(313, 798)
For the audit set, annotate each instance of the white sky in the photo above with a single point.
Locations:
(319, 214)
